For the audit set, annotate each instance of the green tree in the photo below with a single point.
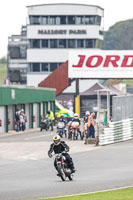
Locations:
(3, 60)
(119, 36)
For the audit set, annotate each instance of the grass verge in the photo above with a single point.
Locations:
(123, 194)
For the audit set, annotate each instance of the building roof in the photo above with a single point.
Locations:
(97, 86)
(53, 4)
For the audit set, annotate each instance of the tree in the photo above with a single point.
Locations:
(119, 36)
(3, 60)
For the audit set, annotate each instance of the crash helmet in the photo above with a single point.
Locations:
(75, 115)
(56, 139)
(62, 115)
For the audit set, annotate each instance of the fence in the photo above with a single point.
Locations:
(122, 107)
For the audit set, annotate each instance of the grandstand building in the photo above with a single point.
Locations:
(51, 32)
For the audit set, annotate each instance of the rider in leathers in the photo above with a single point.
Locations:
(59, 146)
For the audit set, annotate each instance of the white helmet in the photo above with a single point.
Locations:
(87, 113)
(75, 115)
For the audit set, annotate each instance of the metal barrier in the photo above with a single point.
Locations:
(117, 132)
(122, 107)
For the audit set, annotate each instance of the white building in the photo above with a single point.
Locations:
(55, 29)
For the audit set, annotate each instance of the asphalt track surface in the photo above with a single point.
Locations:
(27, 173)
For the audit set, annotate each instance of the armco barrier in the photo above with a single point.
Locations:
(117, 132)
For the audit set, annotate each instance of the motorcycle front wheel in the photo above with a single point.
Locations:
(61, 172)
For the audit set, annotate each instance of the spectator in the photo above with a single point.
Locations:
(17, 120)
(22, 120)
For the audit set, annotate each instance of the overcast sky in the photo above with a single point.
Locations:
(13, 15)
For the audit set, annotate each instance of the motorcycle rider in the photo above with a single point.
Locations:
(62, 119)
(59, 146)
(76, 119)
(50, 116)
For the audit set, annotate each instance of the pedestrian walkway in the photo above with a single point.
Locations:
(13, 132)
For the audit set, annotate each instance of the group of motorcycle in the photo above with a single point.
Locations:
(70, 130)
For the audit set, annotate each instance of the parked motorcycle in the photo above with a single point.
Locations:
(62, 166)
(61, 129)
(45, 124)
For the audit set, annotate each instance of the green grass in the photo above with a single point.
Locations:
(123, 194)
(3, 73)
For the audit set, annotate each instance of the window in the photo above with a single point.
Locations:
(92, 20)
(71, 19)
(44, 20)
(44, 43)
(53, 43)
(71, 43)
(63, 20)
(34, 19)
(80, 43)
(35, 43)
(58, 20)
(45, 67)
(98, 20)
(36, 67)
(89, 43)
(62, 43)
(23, 52)
(89, 20)
(30, 67)
(14, 52)
(79, 20)
(52, 20)
(53, 66)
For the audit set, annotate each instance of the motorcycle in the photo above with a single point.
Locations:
(75, 130)
(61, 128)
(62, 166)
(45, 124)
(70, 130)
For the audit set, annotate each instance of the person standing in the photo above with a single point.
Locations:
(22, 120)
(50, 116)
(17, 120)
(91, 125)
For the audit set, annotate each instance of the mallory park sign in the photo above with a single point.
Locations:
(61, 32)
(101, 64)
